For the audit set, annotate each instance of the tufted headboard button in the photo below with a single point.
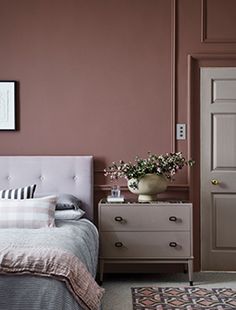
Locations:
(41, 178)
(75, 178)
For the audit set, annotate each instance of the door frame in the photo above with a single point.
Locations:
(195, 62)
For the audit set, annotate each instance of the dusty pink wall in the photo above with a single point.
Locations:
(95, 76)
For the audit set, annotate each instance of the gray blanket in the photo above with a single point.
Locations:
(23, 292)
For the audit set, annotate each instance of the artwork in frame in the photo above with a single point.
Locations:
(7, 105)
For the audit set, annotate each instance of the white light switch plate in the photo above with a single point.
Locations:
(180, 131)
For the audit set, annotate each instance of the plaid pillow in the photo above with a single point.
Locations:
(27, 213)
(26, 192)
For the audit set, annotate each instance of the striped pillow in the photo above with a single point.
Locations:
(28, 213)
(26, 192)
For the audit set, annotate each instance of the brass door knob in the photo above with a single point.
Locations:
(215, 182)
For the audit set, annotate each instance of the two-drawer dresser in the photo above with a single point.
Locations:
(156, 232)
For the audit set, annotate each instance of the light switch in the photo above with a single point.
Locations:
(180, 131)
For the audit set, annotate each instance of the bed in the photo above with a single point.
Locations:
(25, 289)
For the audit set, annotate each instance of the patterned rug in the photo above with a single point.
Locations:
(187, 298)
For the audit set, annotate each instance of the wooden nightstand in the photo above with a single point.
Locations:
(156, 232)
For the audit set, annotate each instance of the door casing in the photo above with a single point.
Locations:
(195, 62)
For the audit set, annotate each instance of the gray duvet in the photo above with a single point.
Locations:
(27, 292)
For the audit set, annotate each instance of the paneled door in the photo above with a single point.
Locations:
(218, 168)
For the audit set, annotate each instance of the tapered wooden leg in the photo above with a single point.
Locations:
(101, 269)
(190, 271)
(185, 268)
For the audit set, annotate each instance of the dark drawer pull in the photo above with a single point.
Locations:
(173, 244)
(118, 244)
(173, 218)
(118, 219)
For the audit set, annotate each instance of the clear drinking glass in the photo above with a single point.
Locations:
(115, 191)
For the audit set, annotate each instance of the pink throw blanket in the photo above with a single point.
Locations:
(56, 263)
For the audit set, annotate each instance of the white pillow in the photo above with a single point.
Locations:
(69, 214)
(28, 213)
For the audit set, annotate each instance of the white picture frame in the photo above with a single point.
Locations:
(7, 105)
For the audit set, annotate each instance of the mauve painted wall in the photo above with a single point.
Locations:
(94, 76)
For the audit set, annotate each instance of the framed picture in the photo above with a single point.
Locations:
(7, 105)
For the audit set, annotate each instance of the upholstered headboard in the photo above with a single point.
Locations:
(52, 174)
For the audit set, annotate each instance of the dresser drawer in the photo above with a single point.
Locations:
(145, 218)
(143, 245)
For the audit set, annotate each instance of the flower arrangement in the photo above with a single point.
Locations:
(166, 165)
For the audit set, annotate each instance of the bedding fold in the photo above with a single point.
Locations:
(72, 242)
(55, 263)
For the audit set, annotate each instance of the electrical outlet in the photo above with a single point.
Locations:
(180, 131)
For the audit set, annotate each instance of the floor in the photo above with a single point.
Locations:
(118, 294)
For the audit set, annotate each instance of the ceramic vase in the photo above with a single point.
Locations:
(148, 187)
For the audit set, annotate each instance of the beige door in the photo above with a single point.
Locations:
(218, 168)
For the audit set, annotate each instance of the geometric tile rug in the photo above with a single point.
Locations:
(187, 298)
